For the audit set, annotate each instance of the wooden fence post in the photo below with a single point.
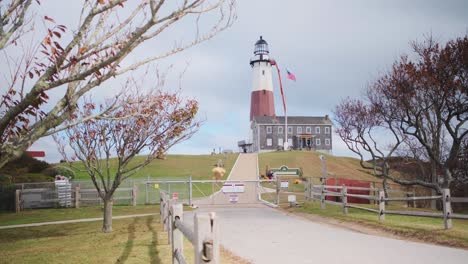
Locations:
(168, 220)
(77, 197)
(414, 201)
(344, 199)
(381, 205)
(374, 192)
(447, 208)
(177, 236)
(165, 212)
(322, 197)
(18, 201)
(134, 195)
(206, 239)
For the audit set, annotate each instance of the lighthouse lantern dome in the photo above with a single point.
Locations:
(261, 47)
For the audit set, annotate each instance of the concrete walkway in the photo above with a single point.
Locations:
(245, 168)
(265, 235)
(75, 221)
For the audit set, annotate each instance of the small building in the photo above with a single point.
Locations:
(304, 133)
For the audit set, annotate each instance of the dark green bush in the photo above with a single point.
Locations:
(7, 197)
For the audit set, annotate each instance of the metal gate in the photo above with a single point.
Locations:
(228, 192)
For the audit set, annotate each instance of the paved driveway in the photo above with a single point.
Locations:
(266, 235)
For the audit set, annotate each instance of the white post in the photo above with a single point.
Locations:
(177, 236)
(381, 205)
(344, 199)
(206, 239)
(447, 208)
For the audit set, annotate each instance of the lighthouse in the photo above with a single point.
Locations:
(261, 101)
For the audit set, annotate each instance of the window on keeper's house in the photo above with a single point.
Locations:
(308, 130)
(317, 130)
(327, 130)
(268, 129)
(290, 129)
(317, 141)
(280, 130)
(327, 142)
(299, 130)
(269, 142)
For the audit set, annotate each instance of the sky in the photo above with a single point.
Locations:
(335, 49)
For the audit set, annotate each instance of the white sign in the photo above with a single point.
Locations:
(232, 187)
(284, 184)
(233, 198)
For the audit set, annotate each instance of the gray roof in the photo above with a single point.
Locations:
(319, 120)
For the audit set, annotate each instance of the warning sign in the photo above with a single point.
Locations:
(175, 196)
(156, 186)
(233, 198)
(231, 187)
(284, 184)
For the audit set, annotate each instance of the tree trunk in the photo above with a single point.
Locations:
(107, 221)
(435, 181)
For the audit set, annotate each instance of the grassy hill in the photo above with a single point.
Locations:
(198, 166)
(309, 161)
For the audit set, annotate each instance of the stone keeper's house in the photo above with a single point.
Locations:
(304, 133)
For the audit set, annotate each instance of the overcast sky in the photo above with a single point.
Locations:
(335, 48)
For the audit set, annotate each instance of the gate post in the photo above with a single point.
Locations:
(134, 194)
(447, 208)
(190, 191)
(206, 239)
(324, 181)
(146, 189)
(177, 236)
(77, 197)
(278, 186)
(18, 201)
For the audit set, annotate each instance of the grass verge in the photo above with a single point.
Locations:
(49, 215)
(423, 229)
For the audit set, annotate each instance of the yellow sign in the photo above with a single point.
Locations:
(156, 186)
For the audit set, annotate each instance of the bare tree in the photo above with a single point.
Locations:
(145, 123)
(13, 18)
(421, 104)
(86, 57)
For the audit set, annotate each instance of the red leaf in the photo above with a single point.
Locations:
(49, 19)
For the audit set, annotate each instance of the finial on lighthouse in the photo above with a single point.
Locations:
(261, 47)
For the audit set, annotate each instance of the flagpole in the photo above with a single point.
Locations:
(285, 142)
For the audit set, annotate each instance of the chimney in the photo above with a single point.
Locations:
(326, 117)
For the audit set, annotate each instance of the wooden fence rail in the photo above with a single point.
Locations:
(204, 235)
(320, 192)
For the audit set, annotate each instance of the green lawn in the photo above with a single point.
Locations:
(48, 215)
(175, 166)
(309, 161)
(133, 240)
(423, 228)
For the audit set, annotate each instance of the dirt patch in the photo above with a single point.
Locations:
(229, 257)
(379, 230)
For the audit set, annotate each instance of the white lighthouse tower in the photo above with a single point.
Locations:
(261, 101)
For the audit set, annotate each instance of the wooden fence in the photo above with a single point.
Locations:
(321, 192)
(204, 235)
